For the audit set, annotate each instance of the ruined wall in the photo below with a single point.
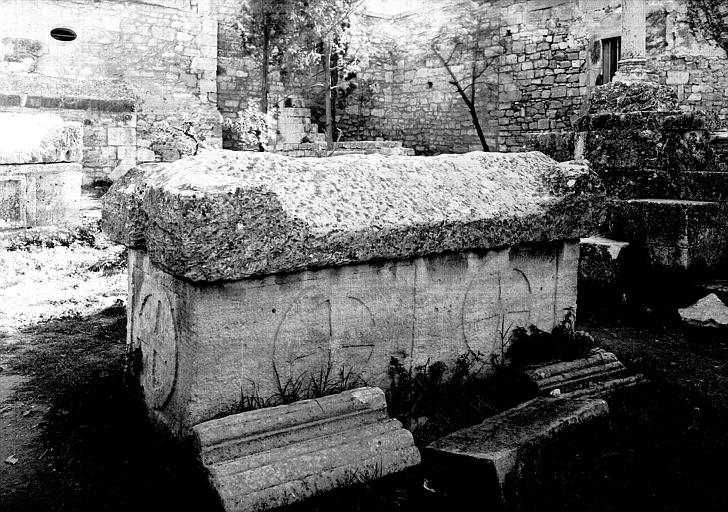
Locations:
(554, 58)
(697, 70)
(164, 52)
(404, 92)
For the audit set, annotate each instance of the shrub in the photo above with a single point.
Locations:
(253, 127)
(533, 346)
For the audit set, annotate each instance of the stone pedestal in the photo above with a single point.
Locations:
(251, 273)
(632, 66)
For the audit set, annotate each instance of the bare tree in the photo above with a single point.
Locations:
(467, 49)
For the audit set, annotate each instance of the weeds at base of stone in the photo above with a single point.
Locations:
(431, 400)
(534, 346)
(307, 385)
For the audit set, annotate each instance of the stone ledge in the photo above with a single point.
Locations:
(230, 215)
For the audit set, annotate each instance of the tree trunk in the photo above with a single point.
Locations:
(327, 95)
(266, 58)
(478, 129)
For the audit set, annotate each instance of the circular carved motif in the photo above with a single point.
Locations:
(319, 332)
(156, 333)
(494, 305)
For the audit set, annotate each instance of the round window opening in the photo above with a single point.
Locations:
(63, 34)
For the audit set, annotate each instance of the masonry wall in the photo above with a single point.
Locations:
(164, 53)
(553, 60)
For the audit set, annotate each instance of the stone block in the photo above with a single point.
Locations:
(304, 213)
(120, 136)
(677, 77)
(247, 270)
(566, 376)
(501, 455)
(39, 194)
(677, 234)
(266, 458)
(709, 311)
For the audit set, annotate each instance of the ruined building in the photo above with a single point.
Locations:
(141, 73)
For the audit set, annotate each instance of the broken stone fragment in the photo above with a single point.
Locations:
(229, 215)
(600, 365)
(502, 455)
(270, 457)
(709, 311)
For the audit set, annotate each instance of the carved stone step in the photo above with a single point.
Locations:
(275, 456)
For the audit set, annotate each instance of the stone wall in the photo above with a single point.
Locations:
(553, 60)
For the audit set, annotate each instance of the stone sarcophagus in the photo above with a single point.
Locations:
(40, 173)
(251, 272)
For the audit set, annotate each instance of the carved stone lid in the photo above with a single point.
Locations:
(226, 215)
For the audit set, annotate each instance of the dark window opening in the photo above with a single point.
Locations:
(63, 34)
(611, 52)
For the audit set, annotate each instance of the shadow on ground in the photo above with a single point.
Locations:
(95, 449)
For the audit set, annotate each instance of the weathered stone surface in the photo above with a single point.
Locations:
(677, 234)
(500, 454)
(270, 457)
(599, 258)
(205, 344)
(606, 269)
(39, 194)
(633, 97)
(608, 388)
(226, 215)
(709, 311)
(570, 375)
(27, 139)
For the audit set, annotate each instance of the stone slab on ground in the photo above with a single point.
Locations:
(203, 344)
(709, 311)
(230, 215)
(498, 456)
(599, 365)
(271, 457)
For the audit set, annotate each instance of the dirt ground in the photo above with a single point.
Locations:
(74, 433)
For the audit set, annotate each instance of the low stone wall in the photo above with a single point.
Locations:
(250, 270)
